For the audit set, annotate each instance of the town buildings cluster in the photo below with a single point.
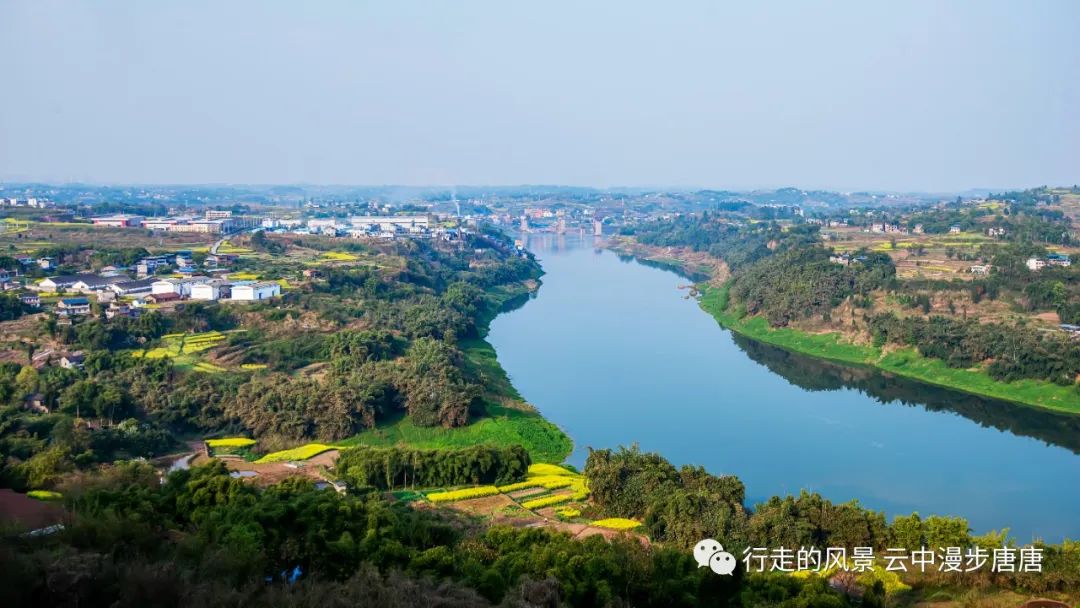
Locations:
(212, 222)
(125, 295)
(34, 203)
(367, 226)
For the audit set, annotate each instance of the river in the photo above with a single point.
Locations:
(614, 352)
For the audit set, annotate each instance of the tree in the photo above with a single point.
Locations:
(907, 531)
(27, 380)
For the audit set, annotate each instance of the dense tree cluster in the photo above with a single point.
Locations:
(359, 345)
(11, 307)
(678, 505)
(685, 505)
(399, 467)
(737, 244)
(682, 506)
(802, 283)
(1013, 352)
(205, 539)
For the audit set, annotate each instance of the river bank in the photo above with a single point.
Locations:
(695, 265)
(906, 362)
(502, 416)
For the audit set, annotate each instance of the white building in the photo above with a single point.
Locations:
(140, 287)
(211, 290)
(253, 292)
(1036, 264)
(181, 287)
(324, 226)
(390, 223)
(164, 286)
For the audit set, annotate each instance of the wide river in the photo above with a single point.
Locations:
(614, 352)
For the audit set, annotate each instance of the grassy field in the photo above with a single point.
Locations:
(544, 441)
(904, 362)
(507, 420)
(227, 247)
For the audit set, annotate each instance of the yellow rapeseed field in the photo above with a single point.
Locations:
(616, 523)
(464, 494)
(299, 453)
(230, 442)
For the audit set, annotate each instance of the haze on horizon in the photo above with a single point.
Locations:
(927, 96)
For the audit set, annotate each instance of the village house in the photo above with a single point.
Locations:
(220, 259)
(138, 287)
(117, 309)
(842, 259)
(47, 263)
(211, 290)
(253, 292)
(64, 281)
(1059, 259)
(181, 287)
(149, 265)
(1054, 259)
(35, 402)
(68, 307)
(161, 298)
(77, 282)
(72, 360)
(981, 269)
(954, 229)
(995, 231)
(31, 300)
(93, 283)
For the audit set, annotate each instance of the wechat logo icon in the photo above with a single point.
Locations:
(711, 553)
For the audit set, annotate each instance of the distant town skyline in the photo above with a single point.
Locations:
(921, 97)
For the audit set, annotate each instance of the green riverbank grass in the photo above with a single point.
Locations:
(507, 418)
(903, 362)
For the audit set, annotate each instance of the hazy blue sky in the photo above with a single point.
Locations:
(850, 95)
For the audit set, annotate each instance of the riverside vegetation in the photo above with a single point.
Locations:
(385, 345)
(383, 357)
(982, 333)
(204, 538)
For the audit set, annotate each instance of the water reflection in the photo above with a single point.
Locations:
(818, 375)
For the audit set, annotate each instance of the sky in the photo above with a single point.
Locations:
(903, 96)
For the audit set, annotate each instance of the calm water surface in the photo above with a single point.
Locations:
(613, 352)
